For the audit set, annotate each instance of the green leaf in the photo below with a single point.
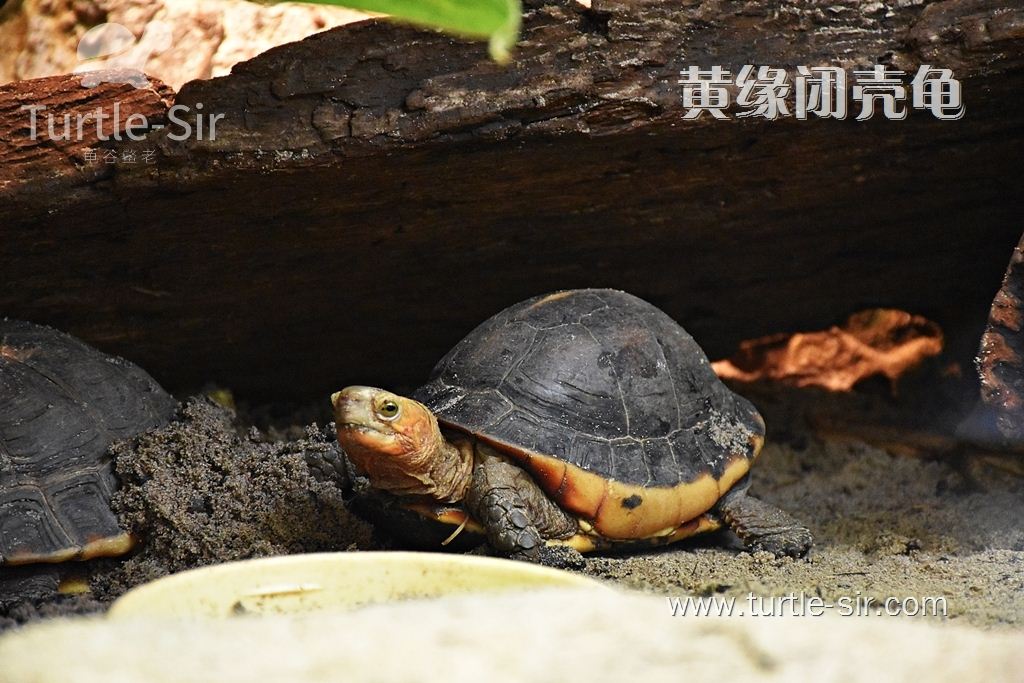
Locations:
(497, 21)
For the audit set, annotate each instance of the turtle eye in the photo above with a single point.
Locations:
(388, 410)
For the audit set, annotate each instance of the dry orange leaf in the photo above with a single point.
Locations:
(878, 341)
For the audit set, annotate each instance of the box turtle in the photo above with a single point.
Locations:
(62, 403)
(586, 418)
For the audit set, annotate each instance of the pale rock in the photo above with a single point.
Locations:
(40, 37)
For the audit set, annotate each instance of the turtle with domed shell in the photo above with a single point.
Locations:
(585, 418)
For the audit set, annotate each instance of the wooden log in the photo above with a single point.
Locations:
(375, 191)
(49, 125)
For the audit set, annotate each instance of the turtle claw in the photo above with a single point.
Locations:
(561, 557)
(554, 556)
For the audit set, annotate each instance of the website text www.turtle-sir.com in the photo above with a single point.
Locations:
(801, 604)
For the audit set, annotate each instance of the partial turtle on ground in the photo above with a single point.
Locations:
(62, 403)
(587, 418)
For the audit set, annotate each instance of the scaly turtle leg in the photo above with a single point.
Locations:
(515, 513)
(762, 526)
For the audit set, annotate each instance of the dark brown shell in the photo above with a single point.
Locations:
(600, 379)
(62, 403)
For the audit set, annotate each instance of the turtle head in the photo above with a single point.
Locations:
(395, 441)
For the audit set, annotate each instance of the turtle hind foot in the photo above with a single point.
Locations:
(764, 527)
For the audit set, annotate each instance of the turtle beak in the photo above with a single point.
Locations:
(354, 406)
(336, 400)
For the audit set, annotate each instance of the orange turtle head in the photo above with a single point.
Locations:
(391, 439)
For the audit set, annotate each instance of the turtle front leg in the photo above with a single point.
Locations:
(504, 515)
(515, 513)
(764, 527)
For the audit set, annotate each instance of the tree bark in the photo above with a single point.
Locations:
(48, 126)
(1001, 359)
(375, 191)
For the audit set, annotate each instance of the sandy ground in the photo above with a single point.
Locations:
(205, 490)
